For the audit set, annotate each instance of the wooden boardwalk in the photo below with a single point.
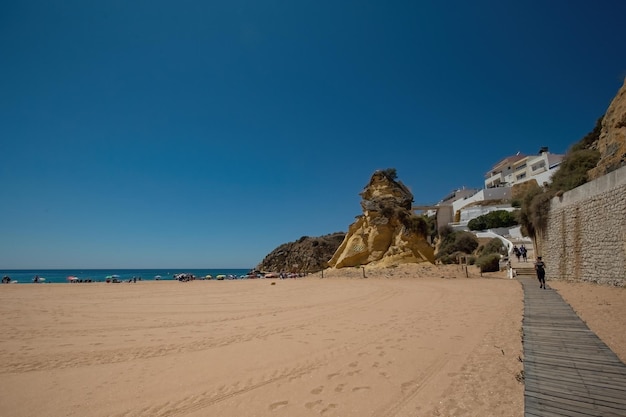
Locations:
(568, 370)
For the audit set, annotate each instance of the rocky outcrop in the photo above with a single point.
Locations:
(387, 233)
(612, 141)
(307, 254)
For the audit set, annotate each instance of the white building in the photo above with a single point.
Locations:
(520, 168)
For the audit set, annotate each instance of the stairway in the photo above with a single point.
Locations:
(525, 270)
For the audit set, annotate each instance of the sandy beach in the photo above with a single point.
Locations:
(409, 341)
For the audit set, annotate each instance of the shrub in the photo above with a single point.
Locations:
(445, 231)
(447, 259)
(452, 258)
(573, 170)
(431, 222)
(477, 223)
(489, 263)
(590, 138)
(494, 219)
(416, 224)
(526, 215)
(494, 245)
(464, 242)
(390, 173)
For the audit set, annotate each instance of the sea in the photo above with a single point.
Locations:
(57, 276)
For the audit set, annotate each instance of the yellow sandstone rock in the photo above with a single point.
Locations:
(388, 233)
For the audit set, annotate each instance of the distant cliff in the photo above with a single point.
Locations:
(307, 254)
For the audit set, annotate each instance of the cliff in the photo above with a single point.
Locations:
(387, 233)
(612, 141)
(307, 254)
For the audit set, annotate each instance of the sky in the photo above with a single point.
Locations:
(204, 134)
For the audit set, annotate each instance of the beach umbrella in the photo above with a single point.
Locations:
(72, 278)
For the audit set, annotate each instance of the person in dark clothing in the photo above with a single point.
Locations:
(540, 268)
(516, 252)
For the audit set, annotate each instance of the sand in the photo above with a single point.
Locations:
(409, 341)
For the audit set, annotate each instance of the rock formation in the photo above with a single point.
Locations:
(387, 233)
(307, 254)
(612, 141)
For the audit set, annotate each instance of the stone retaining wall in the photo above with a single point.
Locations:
(585, 238)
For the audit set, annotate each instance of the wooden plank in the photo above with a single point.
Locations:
(543, 409)
(569, 371)
(573, 382)
(595, 395)
(567, 391)
(584, 405)
(566, 363)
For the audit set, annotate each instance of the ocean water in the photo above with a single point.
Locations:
(23, 276)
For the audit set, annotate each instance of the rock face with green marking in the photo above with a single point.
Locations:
(387, 233)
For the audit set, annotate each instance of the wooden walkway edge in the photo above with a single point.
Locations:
(568, 370)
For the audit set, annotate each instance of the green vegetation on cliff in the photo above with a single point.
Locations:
(572, 173)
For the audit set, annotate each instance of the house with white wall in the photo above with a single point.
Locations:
(509, 171)
(521, 168)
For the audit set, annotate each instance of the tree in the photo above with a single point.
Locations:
(572, 172)
(458, 241)
(492, 220)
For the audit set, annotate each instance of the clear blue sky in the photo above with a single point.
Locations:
(203, 134)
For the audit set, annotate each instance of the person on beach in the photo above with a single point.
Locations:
(516, 252)
(540, 268)
(524, 252)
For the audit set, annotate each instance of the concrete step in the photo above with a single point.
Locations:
(525, 270)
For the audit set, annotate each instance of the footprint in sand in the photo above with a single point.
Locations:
(355, 389)
(339, 387)
(277, 405)
(312, 404)
(405, 386)
(317, 390)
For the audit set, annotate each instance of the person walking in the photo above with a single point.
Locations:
(524, 253)
(540, 268)
(516, 252)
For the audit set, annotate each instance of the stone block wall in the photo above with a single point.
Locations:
(585, 239)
